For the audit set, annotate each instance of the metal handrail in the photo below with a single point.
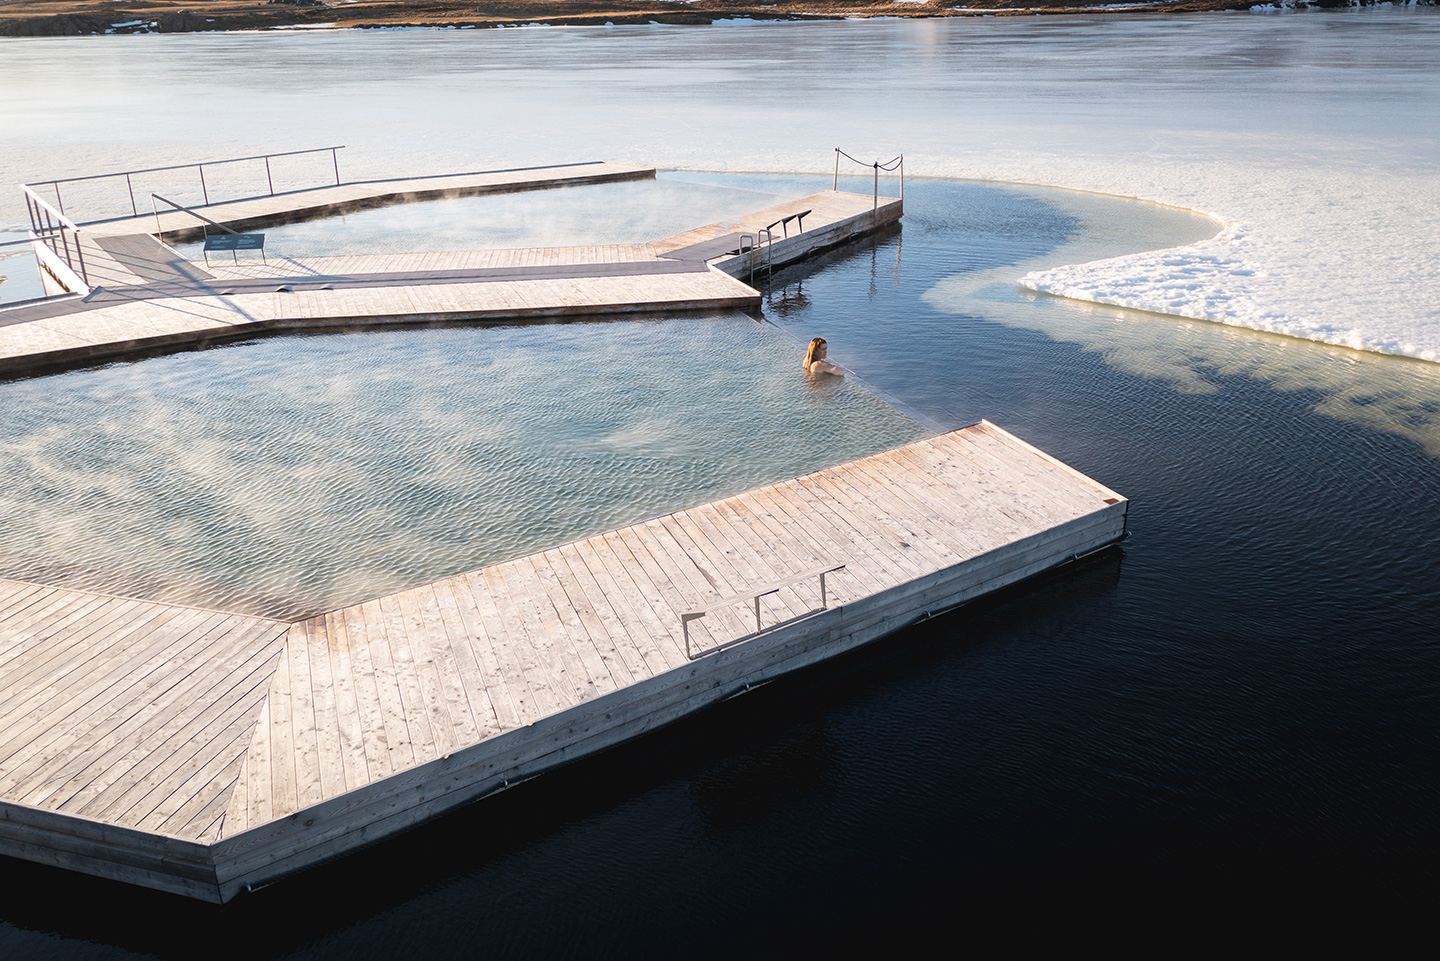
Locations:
(689, 616)
(751, 241)
(204, 188)
(45, 205)
(769, 255)
(43, 229)
(160, 234)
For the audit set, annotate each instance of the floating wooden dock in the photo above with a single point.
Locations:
(206, 753)
(142, 295)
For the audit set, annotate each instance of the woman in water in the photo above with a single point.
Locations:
(815, 362)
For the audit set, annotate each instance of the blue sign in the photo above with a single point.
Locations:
(234, 242)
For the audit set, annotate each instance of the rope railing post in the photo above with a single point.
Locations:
(131, 187)
(204, 191)
(898, 163)
(268, 178)
(335, 159)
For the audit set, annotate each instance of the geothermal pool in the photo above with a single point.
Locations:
(1238, 708)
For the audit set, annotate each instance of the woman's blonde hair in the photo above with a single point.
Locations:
(814, 348)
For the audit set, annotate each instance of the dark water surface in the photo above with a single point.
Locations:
(1235, 712)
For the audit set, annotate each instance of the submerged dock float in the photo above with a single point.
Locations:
(207, 753)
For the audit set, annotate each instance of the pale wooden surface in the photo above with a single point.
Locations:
(126, 711)
(148, 296)
(368, 691)
(826, 208)
(206, 731)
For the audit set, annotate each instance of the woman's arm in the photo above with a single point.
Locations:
(825, 367)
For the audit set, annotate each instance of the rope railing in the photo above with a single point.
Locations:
(898, 163)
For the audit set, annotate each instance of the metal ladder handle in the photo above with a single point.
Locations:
(754, 241)
(769, 254)
(685, 620)
(688, 616)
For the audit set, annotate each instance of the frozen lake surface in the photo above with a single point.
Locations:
(1312, 136)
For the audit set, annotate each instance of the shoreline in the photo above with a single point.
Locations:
(48, 18)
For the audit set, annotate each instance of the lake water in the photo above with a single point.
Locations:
(1236, 710)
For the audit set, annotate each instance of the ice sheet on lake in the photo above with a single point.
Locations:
(1310, 136)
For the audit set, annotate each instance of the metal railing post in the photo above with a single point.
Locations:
(159, 234)
(902, 178)
(876, 205)
(59, 203)
(835, 183)
(80, 254)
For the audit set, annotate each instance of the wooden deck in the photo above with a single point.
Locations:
(151, 298)
(202, 753)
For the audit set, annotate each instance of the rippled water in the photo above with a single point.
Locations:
(292, 475)
(1233, 717)
(619, 213)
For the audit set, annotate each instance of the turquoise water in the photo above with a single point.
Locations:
(617, 213)
(296, 474)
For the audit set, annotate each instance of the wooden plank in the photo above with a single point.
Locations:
(330, 752)
(640, 622)
(134, 738)
(439, 702)
(529, 606)
(504, 713)
(260, 780)
(621, 641)
(347, 698)
(370, 707)
(468, 675)
(305, 730)
(284, 789)
(493, 648)
(563, 623)
(57, 703)
(580, 616)
(398, 737)
(519, 658)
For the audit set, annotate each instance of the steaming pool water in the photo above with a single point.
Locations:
(291, 475)
(1237, 709)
